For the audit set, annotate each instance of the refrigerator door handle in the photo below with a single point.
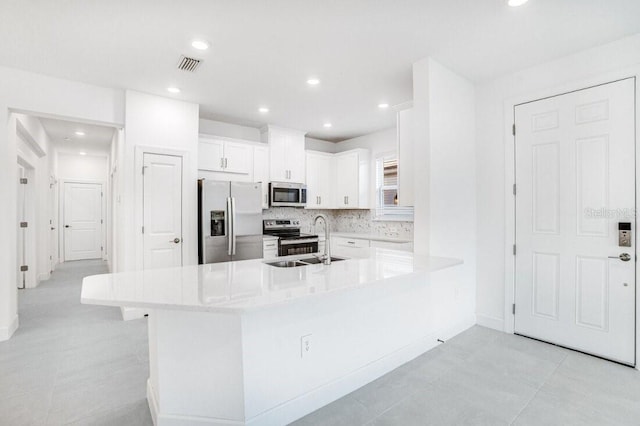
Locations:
(230, 225)
(233, 226)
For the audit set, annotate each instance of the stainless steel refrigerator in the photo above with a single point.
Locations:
(230, 221)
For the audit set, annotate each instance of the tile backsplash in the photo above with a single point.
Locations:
(359, 221)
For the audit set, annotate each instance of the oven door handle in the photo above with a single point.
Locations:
(292, 242)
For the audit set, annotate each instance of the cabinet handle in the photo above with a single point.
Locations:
(226, 162)
(347, 200)
(320, 199)
(221, 162)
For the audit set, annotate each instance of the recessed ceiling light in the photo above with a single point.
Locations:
(313, 81)
(263, 109)
(82, 153)
(515, 3)
(328, 124)
(80, 133)
(383, 106)
(200, 44)
(173, 89)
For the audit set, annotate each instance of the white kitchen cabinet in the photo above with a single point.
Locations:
(394, 245)
(319, 180)
(222, 155)
(261, 171)
(349, 247)
(351, 185)
(287, 156)
(270, 248)
(405, 157)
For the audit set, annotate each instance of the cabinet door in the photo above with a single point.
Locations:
(296, 158)
(325, 176)
(261, 172)
(210, 155)
(347, 188)
(278, 157)
(237, 158)
(313, 181)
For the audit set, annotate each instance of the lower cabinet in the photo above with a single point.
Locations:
(270, 248)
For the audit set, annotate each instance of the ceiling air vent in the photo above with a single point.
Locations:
(188, 64)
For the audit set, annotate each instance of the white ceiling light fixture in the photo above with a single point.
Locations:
(82, 153)
(200, 44)
(383, 106)
(327, 125)
(313, 82)
(80, 133)
(173, 89)
(263, 110)
(516, 3)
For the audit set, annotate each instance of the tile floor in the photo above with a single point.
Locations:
(80, 364)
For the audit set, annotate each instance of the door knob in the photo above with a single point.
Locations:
(175, 240)
(67, 226)
(625, 257)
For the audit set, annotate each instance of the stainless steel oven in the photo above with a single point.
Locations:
(283, 194)
(290, 240)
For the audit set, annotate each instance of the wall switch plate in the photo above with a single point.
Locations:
(305, 345)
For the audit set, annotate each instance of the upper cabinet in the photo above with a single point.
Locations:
(286, 154)
(319, 180)
(223, 155)
(261, 171)
(351, 179)
(405, 157)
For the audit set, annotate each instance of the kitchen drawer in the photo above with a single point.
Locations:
(349, 242)
(403, 246)
(270, 248)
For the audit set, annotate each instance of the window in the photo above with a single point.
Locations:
(387, 207)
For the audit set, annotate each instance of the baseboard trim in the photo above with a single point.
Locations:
(7, 332)
(491, 322)
(304, 404)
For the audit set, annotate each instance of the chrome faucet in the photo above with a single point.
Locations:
(326, 258)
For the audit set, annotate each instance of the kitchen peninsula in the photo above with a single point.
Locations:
(246, 342)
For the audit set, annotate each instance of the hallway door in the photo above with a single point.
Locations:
(575, 177)
(82, 221)
(162, 211)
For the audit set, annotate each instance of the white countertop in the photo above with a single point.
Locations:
(250, 284)
(373, 237)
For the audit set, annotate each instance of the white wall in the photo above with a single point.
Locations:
(28, 92)
(597, 65)
(158, 124)
(90, 167)
(445, 207)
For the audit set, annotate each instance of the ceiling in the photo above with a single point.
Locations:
(262, 52)
(96, 138)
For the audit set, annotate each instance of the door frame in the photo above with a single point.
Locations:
(140, 150)
(509, 164)
(61, 206)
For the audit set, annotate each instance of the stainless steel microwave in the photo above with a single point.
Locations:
(283, 194)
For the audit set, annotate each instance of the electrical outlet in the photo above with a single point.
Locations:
(305, 345)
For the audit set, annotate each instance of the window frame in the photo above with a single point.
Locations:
(385, 212)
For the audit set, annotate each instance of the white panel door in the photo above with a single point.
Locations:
(82, 221)
(575, 176)
(162, 211)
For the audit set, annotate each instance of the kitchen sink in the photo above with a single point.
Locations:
(301, 262)
(287, 264)
(315, 260)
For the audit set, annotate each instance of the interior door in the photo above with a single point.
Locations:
(162, 211)
(20, 237)
(575, 177)
(82, 221)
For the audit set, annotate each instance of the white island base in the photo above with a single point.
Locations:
(243, 360)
